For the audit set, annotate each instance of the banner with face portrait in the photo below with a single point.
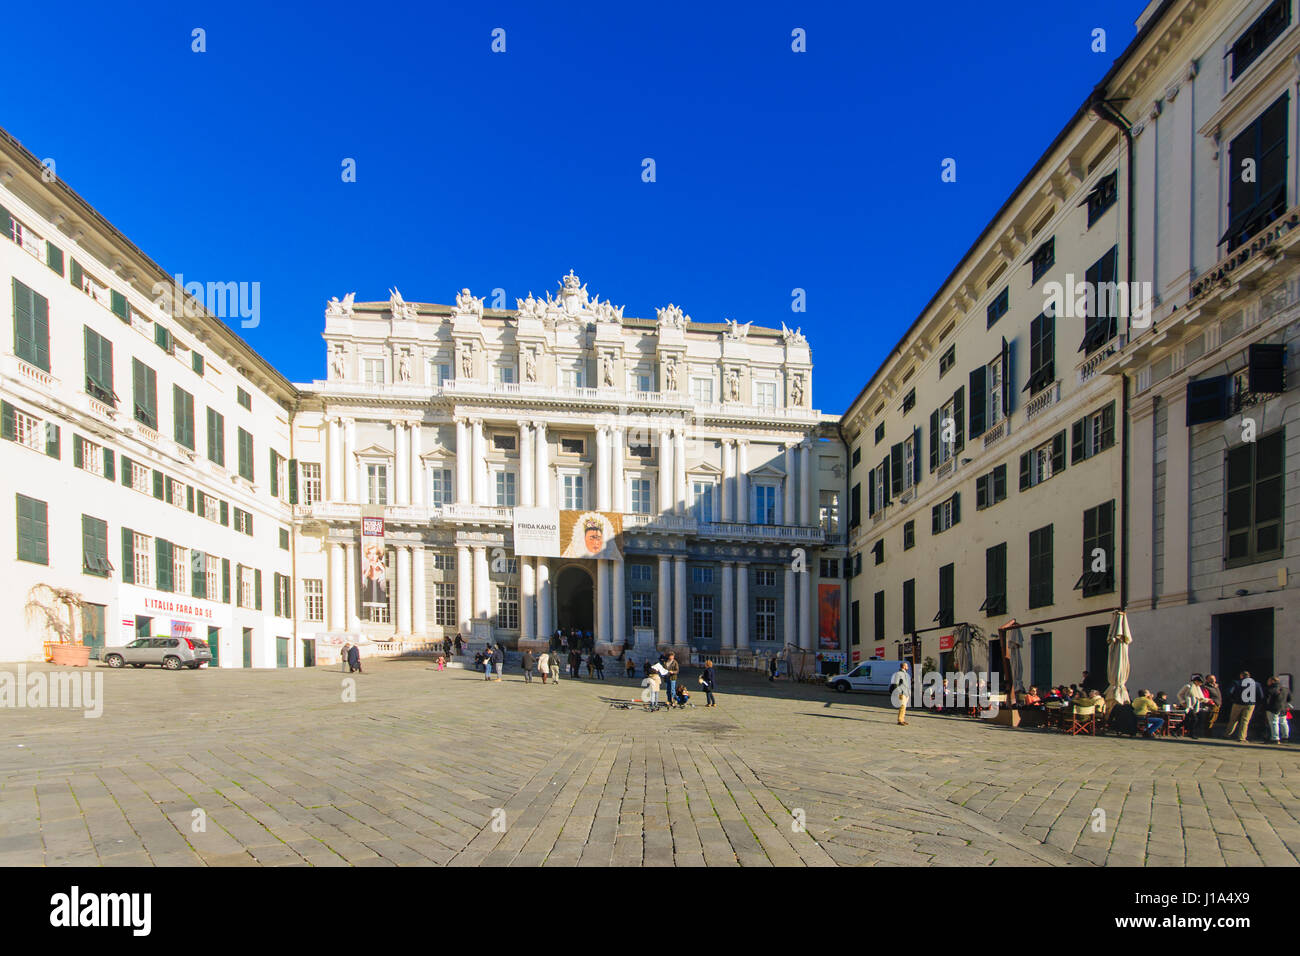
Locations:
(374, 576)
(590, 534)
(828, 617)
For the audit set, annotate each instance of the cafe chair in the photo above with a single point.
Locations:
(1083, 720)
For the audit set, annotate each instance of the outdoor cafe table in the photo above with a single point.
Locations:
(1174, 719)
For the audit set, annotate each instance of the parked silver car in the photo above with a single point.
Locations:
(173, 653)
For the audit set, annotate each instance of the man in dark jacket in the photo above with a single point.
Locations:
(526, 662)
(1276, 703)
(354, 659)
(498, 660)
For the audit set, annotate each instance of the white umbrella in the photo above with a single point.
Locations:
(1118, 641)
(1015, 640)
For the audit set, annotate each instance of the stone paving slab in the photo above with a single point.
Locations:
(429, 768)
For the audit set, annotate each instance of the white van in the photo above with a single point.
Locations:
(873, 676)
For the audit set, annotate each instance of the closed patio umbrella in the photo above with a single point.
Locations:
(1014, 641)
(961, 650)
(1117, 666)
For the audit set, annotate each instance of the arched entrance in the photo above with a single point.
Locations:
(575, 599)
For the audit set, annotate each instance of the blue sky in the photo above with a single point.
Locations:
(775, 170)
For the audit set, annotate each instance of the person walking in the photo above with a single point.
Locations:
(544, 665)
(771, 670)
(673, 670)
(575, 664)
(526, 663)
(499, 659)
(1244, 694)
(600, 665)
(707, 681)
(343, 656)
(1277, 701)
(460, 645)
(354, 659)
(902, 692)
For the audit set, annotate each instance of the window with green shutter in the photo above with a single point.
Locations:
(117, 304)
(275, 474)
(225, 513)
(52, 440)
(158, 486)
(31, 327)
(54, 257)
(33, 530)
(75, 274)
(284, 539)
(99, 368)
(257, 589)
(243, 398)
(163, 564)
(225, 580)
(196, 360)
(128, 556)
(216, 437)
(183, 416)
(145, 382)
(198, 574)
(162, 337)
(293, 481)
(1040, 567)
(108, 465)
(245, 455)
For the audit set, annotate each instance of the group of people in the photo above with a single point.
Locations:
(350, 658)
(667, 671)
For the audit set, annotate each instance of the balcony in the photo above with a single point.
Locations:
(997, 433)
(1043, 400)
(1092, 365)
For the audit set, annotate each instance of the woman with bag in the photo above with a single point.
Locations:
(706, 681)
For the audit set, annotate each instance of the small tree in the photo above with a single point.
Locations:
(56, 609)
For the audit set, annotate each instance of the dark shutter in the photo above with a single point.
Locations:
(189, 499)
(1076, 441)
(1058, 451)
(225, 513)
(8, 422)
(1207, 400)
(855, 506)
(916, 457)
(895, 468)
(934, 520)
(959, 419)
(54, 257)
(982, 492)
(885, 468)
(158, 484)
(956, 507)
(126, 471)
(198, 574)
(52, 440)
(293, 481)
(978, 396)
(934, 439)
(998, 488)
(109, 472)
(1266, 372)
(275, 474)
(257, 589)
(118, 305)
(277, 593)
(128, 556)
(1107, 426)
(167, 488)
(76, 451)
(1008, 370)
(871, 493)
(163, 560)
(1024, 471)
(225, 580)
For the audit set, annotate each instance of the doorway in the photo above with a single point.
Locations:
(1040, 660)
(308, 652)
(1242, 642)
(248, 647)
(281, 652)
(1098, 656)
(575, 598)
(214, 645)
(143, 626)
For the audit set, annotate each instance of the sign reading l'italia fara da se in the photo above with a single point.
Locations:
(552, 533)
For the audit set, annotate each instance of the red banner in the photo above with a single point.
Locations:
(945, 642)
(828, 617)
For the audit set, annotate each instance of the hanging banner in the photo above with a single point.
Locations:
(946, 642)
(828, 617)
(591, 534)
(537, 532)
(374, 576)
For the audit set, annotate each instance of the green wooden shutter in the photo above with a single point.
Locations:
(956, 507)
(196, 362)
(225, 513)
(257, 589)
(198, 575)
(978, 396)
(277, 594)
(1108, 426)
(128, 556)
(8, 422)
(74, 273)
(167, 488)
(163, 563)
(293, 481)
(158, 484)
(1076, 442)
(239, 585)
(225, 580)
(76, 451)
(959, 419)
(248, 522)
(1024, 471)
(52, 440)
(126, 471)
(54, 257)
(41, 328)
(275, 474)
(189, 499)
(31, 326)
(6, 223)
(1058, 451)
(33, 530)
(934, 439)
(934, 520)
(108, 465)
(117, 304)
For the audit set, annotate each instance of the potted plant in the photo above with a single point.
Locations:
(59, 610)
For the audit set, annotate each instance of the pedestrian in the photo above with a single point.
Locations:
(600, 665)
(442, 662)
(354, 659)
(575, 664)
(591, 665)
(631, 669)
(707, 681)
(343, 656)
(485, 658)
(460, 645)
(771, 669)
(446, 647)
(526, 663)
(1244, 694)
(673, 671)
(1277, 703)
(653, 682)
(1192, 700)
(499, 659)
(1213, 702)
(902, 692)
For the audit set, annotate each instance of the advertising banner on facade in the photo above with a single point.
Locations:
(374, 576)
(828, 617)
(551, 533)
(946, 642)
(169, 614)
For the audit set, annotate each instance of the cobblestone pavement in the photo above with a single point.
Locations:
(445, 768)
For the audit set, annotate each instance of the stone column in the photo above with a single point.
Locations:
(791, 482)
(419, 595)
(349, 462)
(417, 465)
(742, 606)
(679, 469)
(666, 471)
(728, 606)
(603, 496)
(482, 597)
(807, 491)
(464, 591)
(401, 483)
(338, 588)
(728, 480)
(617, 613)
(542, 478)
(742, 482)
(1141, 554)
(464, 454)
(664, 632)
(335, 460)
(617, 452)
(403, 583)
(526, 466)
(543, 600)
(1177, 504)
(805, 611)
(479, 464)
(790, 617)
(350, 587)
(527, 599)
(602, 601)
(679, 601)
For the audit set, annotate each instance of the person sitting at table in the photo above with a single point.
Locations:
(1145, 708)
(1076, 692)
(1094, 696)
(1161, 700)
(1031, 699)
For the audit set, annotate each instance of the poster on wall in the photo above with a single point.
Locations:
(537, 532)
(828, 617)
(374, 576)
(548, 533)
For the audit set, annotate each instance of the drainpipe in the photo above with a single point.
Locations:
(844, 523)
(1103, 109)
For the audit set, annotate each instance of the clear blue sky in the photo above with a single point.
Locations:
(775, 169)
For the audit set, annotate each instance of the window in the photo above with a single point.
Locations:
(855, 505)
(1043, 462)
(878, 551)
(145, 393)
(702, 390)
(765, 578)
(945, 514)
(988, 393)
(33, 530)
(946, 588)
(29, 431)
(243, 522)
(163, 339)
(245, 454)
(444, 562)
(1044, 258)
(212, 578)
(573, 377)
(244, 399)
(312, 490)
(438, 372)
(1092, 434)
(284, 539)
(505, 481)
(904, 464)
(1104, 307)
(1042, 353)
(503, 442)
(765, 394)
(1259, 35)
(880, 434)
(878, 608)
(196, 363)
(998, 307)
(642, 609)
(183, 417)
(508, 607)
(216, 437)
(641, 573)
(176, 493)
(31, 327)
(180, 569)
(703, 492)
(909, 401)
(283, 606)
(572, 446)
(142, 558)
(702, 617)
(643, 451)
(279, 473)
(444, 604)
(99, 368)
(506, 374)
(702, 576)
(991, 488)
(765, 504)
(947, 360)
(244, 586)
(1040, 567)
(1255, 490)
(765, 619)
(1253, 205)
(995, 580)
(828, 512)
(644, 382)
(909, 606)
(641, 496)
(828, 567)
(1102, 197)
(87, 455)
(909, 535)
(573, 492)
(136, 476)
(208, 507)
(377, 484)
(1098, 535)
(440, 487)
